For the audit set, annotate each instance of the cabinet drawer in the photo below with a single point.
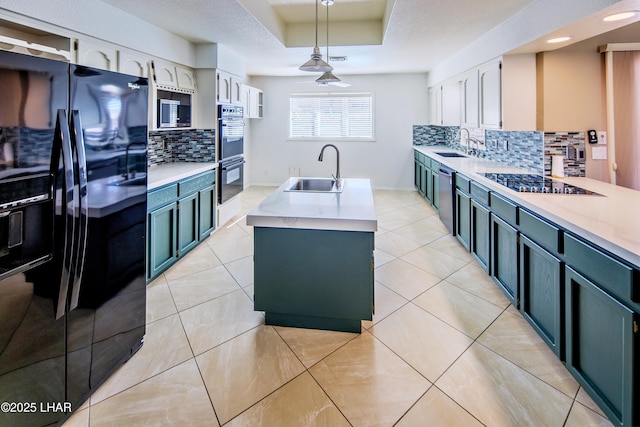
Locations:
(427, 163)
(479, 193)
(607, 272)
(463, 183)
(161, 196)
(191, 185)
(540, 231)
(416, 155)
(503, 208)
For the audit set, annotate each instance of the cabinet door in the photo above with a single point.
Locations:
(418, 177)
(542, 293)
(435, 105)
(504, 258)
(236, 91)
(256, 103)
(463, 218)
(480, 234)
(186, 78)
(223, 87)
(162, 239)
(427, 183)
(96, 55)
(188, 235)
(435, 202)
(470, 99)
(601, 341)
(207, 211)
(165, 73)
(490, 81)
(132, 64)
(451, 104)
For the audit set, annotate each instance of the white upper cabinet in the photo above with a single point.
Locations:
(96, 55)
(133, 63)
(490, 85)
(251, 102)
(186, 78)
(470, 107)
(444, 104)
(451, 103)
(164, 74)
(435, 105)
(223, 87)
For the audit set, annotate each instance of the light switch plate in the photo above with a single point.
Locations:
(602, 137)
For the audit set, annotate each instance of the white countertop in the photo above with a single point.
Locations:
(167, 173)
(350, 210)
(608, 221)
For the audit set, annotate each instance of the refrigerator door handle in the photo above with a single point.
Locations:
(81, 216)
(62, 147)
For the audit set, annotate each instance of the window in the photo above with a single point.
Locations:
(344, 116)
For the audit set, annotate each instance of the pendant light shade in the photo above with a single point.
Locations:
(316, 63)
(327, 78)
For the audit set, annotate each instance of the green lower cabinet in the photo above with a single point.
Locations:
(504, 258)
(480, 234)
(181, 215)
(319, 279)
(602, 344)
(187, 223)
(417, 174)
(428, 185)
(162, 232)
(542, 293)
(206, 211)
(463, 218)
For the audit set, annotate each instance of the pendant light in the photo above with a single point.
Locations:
(328, 76)
(316, 64)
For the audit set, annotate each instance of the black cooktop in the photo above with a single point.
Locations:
(530, 183)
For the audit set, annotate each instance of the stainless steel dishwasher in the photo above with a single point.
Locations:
(446, 205)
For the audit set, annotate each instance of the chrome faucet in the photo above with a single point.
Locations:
(128, 175)
(337, 175)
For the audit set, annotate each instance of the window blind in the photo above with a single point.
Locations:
(338, 116)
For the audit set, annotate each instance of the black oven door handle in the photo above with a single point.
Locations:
(233, 165)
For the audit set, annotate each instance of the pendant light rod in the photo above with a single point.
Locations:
(328, 76)
(316, 64)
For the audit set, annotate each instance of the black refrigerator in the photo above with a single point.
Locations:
(73, 162)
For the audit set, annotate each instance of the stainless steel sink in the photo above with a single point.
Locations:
(450, 154)
(316, 185)
(139, 179)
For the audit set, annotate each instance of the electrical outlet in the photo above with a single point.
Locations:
(602, 137)
(505, 145)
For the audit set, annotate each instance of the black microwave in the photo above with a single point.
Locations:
(173, 114)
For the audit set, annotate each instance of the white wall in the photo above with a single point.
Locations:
(400, 102)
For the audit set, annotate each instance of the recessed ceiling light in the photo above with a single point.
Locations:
(619, 16)
(559, 39)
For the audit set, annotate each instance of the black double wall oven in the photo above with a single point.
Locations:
(231, 152)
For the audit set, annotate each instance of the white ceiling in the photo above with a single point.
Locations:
(376, 36)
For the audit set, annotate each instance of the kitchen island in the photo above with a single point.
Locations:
(313, 256)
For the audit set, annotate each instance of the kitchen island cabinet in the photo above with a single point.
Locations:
(313, 257)
(180, 212)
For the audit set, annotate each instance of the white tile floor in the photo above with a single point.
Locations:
(444, 348)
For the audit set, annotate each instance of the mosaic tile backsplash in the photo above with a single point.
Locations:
(518, 149)
(182, 145)
(571, 146)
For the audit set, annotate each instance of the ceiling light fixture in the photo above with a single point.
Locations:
(328, 76)
(316, 63)
(559, 39)
(619, 16)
